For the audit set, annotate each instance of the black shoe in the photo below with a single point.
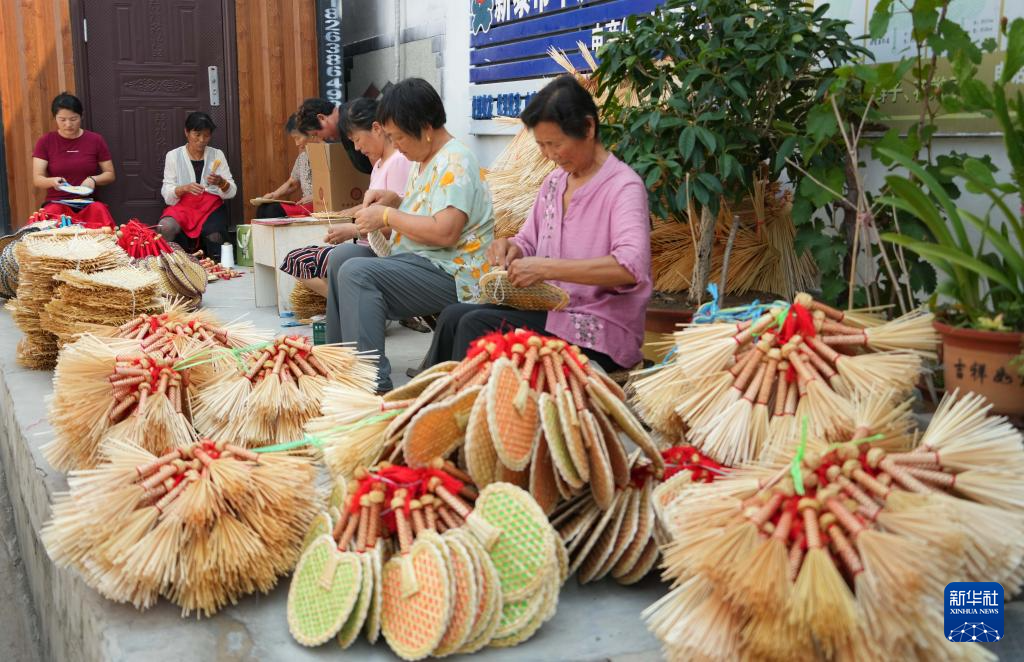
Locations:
(416, 324)
(411, 373)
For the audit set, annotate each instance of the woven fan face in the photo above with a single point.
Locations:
(517, 614)
(522, 553)
(480, 454)
(595, 533)
(339, 494)
(466, 597)
(488, 614)
(547, 600)
(372, 629)
(644, 564)
(438, 429)
(572, 432)
(495, 288)
(560, 457)
(562, 555)
(621, 414)
(435, 391)
(188, 277)
(607, 540)
(543, 488)
(350, 630)
(413, 389)
(644, 529)
(613, 448)
(414, 625)
(512, 420)
(602, 480)
(321, 526)
(316, 613)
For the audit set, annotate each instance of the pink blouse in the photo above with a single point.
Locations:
(392, 174)
(607, 216)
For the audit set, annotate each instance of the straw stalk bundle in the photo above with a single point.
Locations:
(738, 389)
(41, 256)
(201, 525)
(306, 303)
(842, 554)
(419, 556)
(268, 395)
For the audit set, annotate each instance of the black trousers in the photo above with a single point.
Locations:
(213, 233)
(270, 210)
(459, 324)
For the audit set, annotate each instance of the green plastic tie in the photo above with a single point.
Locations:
(857, 442)
(795, 467)
(319, 442)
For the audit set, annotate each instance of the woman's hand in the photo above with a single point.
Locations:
(305, 200)
(502, 252)
(54, 182)
(370, 218)
(270, 196)
(217, 181)
(193, 189)
(527, 271)
(341, 233)
(381, 197)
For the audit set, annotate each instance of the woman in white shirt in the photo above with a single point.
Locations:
(197, 181)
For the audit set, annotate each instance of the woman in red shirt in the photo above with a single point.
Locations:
(72, 156)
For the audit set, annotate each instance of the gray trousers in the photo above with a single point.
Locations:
(364, 291)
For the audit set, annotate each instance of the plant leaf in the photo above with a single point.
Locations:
(951, 255)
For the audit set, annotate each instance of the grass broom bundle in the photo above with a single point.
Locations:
(176, 326)
(271, 393)
(854, 541)
(104, 386)
(200, 525)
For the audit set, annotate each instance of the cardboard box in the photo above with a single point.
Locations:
(337, 185)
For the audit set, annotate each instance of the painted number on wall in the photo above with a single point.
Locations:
(332, 71)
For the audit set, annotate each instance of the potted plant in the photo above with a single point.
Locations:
(981, 299)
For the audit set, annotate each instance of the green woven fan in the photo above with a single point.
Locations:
(320, 526)
(372, 629)
(560, 456)
(517, 614)
(466, 597)
(522, 551)
(324, 589)
(489, 614)
(547, 600)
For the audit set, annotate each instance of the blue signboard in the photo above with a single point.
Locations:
(509, 41)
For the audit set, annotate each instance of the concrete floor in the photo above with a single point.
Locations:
(59, 618)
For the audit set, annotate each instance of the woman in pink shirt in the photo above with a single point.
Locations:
(72, 156)
(588, 233)
(390, 173)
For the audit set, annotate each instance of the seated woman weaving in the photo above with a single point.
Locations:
(72, 156)
(300, 180)
(439, 230)
(588, 233)
(390, 173)
(197, 181)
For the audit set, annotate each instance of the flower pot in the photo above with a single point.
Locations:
(979, 361)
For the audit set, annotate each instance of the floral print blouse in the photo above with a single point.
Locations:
(453, 178)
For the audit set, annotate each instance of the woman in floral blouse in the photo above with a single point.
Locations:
(439, 230)
(588, 233)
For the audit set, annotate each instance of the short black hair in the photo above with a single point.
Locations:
(566, 103)
(412, 104)
(359, 114)
(291, 124)
(197, 120)
(66, 101)
(306, 117)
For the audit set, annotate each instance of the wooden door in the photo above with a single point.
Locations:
(146, 66)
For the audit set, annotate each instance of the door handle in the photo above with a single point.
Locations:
(214, 83)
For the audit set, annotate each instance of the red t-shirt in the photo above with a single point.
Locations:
(74, 160)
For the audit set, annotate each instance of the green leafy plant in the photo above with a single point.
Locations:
(714, 81)
(984, 278)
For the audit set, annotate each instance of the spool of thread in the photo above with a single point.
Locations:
(227, 256)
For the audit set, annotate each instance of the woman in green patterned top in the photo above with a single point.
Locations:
(439, 231)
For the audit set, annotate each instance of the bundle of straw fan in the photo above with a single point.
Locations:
(41, 256)
(495, 288)
(623, 540)
(737, 391)
(84, 301)
(521, 408)
(268, 395)
(762, 258)
(306, 303)
(842, 554)
(104, 386)
(419, 556)
(201, 525)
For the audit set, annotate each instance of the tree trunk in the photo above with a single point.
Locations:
(702, 261)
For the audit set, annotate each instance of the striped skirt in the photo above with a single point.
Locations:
(308, 262)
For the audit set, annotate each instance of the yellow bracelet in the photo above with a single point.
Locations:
(386, 210)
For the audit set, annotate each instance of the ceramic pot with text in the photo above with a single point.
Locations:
(979, 361)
